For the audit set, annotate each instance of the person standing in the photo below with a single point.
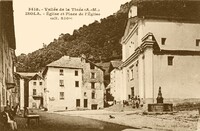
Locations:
(141, 102)
(138, 99)
(136, 102)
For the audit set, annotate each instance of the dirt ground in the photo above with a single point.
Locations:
(58, 122)
(178, 121)
(97, 120)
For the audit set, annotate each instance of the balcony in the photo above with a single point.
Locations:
(40, 95)
(10, 85)
(9, 82)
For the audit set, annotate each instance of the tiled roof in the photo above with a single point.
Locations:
(68, 62)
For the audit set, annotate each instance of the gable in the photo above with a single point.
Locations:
(36, 77)
(130, 24)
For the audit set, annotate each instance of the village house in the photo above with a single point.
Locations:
(161, 48)
(115, 87)
(73, 83)
(36, 91)
(105, 67)
(22, 84)
(7, 55)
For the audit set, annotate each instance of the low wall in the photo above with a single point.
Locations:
(160, 107)
(178, 103)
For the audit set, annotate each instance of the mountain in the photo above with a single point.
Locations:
(99, 41)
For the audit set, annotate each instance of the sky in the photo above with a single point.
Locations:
(31, 31)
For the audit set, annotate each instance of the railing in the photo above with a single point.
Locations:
(38, 95)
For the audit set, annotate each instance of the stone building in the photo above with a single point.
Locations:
(36, 91)
(7, 54)
(161, 48)
(73, 83)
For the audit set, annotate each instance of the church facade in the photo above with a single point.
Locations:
(161, 49)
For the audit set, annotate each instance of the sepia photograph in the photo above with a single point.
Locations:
(99, 65)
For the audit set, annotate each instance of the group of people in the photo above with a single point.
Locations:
(137, 102)
(7, 117)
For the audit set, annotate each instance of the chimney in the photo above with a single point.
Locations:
(83, 57)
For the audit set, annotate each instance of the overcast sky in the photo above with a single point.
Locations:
(32, 31)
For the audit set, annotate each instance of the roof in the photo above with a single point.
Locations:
(37, 75)
(71, 62)
(67, 62)
(130, 24)
(26, 75)
(109, 86)
(183, 10)
(105, 66)
(116, 63)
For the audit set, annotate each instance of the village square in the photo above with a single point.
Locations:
(155, 85)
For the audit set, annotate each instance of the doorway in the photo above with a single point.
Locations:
(94, 106)
(132, 92)
(85, 103)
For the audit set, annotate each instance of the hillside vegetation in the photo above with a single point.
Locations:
(99, 41)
